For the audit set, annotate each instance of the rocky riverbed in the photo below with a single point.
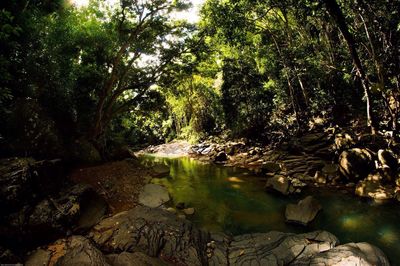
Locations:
(109, 216)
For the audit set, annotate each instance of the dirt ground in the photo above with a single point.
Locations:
(118, 182)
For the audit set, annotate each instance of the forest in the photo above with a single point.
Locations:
(177, 132)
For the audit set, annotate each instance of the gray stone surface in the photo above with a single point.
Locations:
(133, 259)
(153, 195)
(303, 212)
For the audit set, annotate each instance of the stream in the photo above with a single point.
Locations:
(234, 201)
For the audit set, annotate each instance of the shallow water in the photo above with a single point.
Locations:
(233, 200)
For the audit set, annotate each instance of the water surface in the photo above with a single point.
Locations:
(234, 201)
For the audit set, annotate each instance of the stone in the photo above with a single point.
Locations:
(279, 183)
(133, 259)
(189, 211)
(221, 157)
(356, 164)
(161, 170)
(388, 164)
(276, 248)
(343, 141)
(303, 212)
(270, 167)
(330, 170)
(374, 189)
(171, 210)
(152, 231)
(75, 250)
(361, 254)
(320, 178)
(153, 195)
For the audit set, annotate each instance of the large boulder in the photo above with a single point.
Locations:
(356, 164)
(388, 164)
(303, 212)
(24, 180)
(153, 196)
(75, 250)
(155, 232)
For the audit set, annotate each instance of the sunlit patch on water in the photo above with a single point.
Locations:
(235, 179)
(352, 222)
(389, 235)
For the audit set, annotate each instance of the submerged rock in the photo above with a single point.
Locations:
(304, 211)
(153, 195)
(161, 170)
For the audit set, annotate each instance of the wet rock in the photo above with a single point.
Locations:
(161, 170)
(276, 248)
(304, 211)
(320, 178)
(330, 170)
(221, 157)
(153, 232)
(361, 254)
(8, 257)
(279, 183)
(374, 189)
(388, 164)
(189, 211)
(356, 164)
(133, 259)
(270, 167)
(153, 195)
(75, 250)
(343, 141)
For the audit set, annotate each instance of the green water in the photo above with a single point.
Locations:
(233, 200)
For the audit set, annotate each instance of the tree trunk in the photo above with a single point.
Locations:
(337, 15)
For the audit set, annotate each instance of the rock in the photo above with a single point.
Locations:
(330, 170)
(356, 164)
(23, 180)
(343, 141)
(388, 163)
(279, 183)
(276, 248)
(153, 232)
(180, 205)
(133, 259)
(303, 212)
(8, 257)
(181, 216)
(75, 250)
(374, 189)
(189, 211)
(171, 210)
(320, 178)
(158, 233)
(153, 195)
(221, 157)
(361, 254)
(270, 167)
(161, 170)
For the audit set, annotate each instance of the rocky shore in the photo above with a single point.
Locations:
(49, 220)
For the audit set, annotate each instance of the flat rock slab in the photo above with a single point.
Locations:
(279, 183)
(374, 189)
(153, 196)
(159, 233)
(303, 212)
